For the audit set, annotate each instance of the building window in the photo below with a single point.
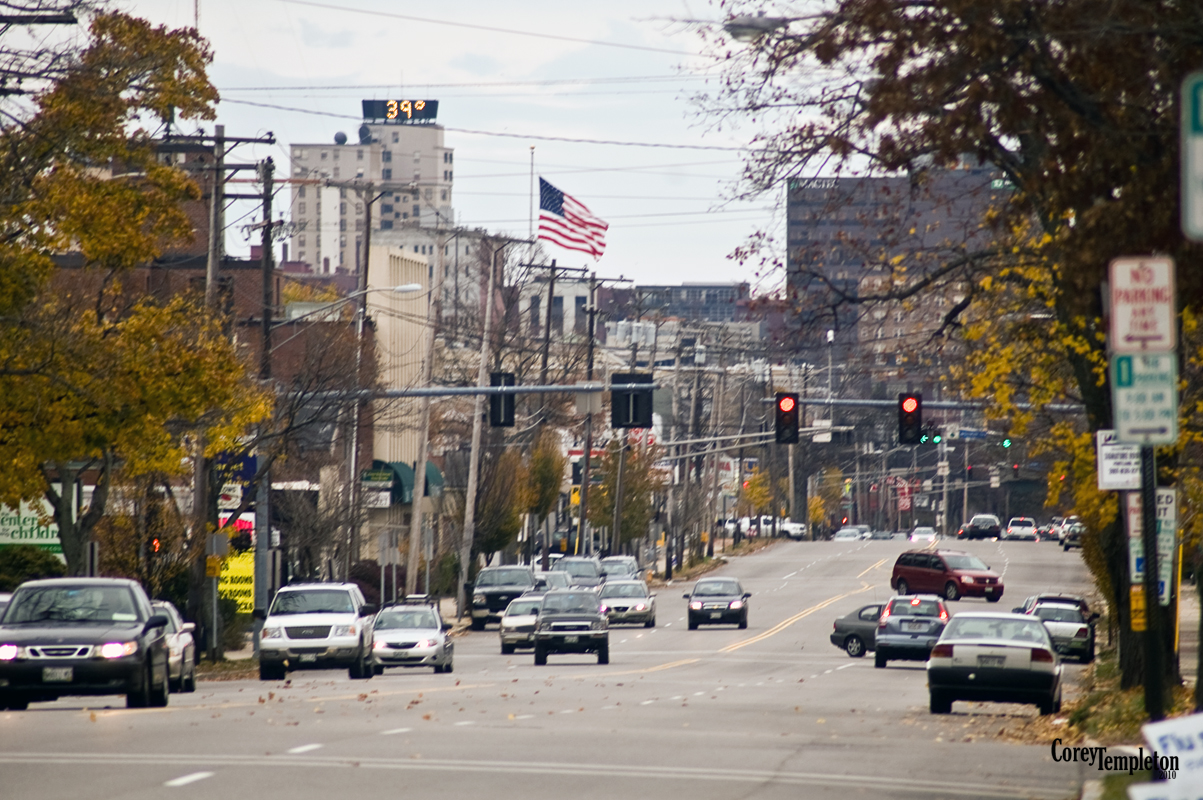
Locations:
(336, 152)
(301, 240)
(417, 156)
(387, 156)
(359, 208)
(299, 155)
(342, 208)
(534, 313)
(358, 224)
(450, 177)
(386, 224)
(430, 194)
(342, 241)
(325, 155)
(336, 172)
(342, 224)
(300, 208)
(417, 211)
(386, 174)
(579, 318)
(359, 155)
(415, 248)
(301, 191)
(386, 209)
(343, 193)
(396, 137)
(444, 195)
(405, 216)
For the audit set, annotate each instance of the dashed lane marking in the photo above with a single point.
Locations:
(184, 780)
(305, 748)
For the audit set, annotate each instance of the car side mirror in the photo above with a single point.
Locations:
(368, 609)
(1016, 610)
(747, 595)
(1094, 617)
(155, 621)
(188, 627)
(686, 595)
(446, 625)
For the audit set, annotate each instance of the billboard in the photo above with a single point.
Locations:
(25, 526)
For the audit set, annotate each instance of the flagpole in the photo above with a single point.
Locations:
(531, 230)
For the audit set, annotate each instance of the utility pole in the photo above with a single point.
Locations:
(715, 424)
(263, 486)
(216, 214)
(588, 455)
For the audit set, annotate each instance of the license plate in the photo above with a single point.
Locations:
(307, 657)
(571, 639)
(58, 674)
(716, 614)
(989, 590)
(914, 626)
(991, 661)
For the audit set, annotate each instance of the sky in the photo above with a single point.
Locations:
(616, 71)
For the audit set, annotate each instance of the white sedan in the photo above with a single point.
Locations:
(1006, 658)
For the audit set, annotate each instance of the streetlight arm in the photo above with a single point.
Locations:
(402, 289)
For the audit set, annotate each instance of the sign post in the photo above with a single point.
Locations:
(1192, 157)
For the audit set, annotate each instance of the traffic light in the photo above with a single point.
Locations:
(969, 473)
(501, 406)
(631, 409)
(787, 418)
(1006, 442)
(910, 418)
(1015, 470)
(578, 471)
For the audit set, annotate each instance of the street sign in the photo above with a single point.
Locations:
(1136, 608)
(1118, 464)
(942, 469)
(1178, 740)
(1167, 541)
(1191, 145)
(1144, 398)
(1143, 312)
(972, 434)
(995, 481)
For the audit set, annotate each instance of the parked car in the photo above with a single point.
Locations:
(82, 636)
(1006, 658)
(1055, 597)
(571, 621)
(411, 635)
(794, 530)
(908, 628)
(717, 601)
(517, 628)
(1071, 630)
(950, 573)
(495, 587)
(181, 648)
(856, 632)
(1073, 536)
(317, 626)
(1021, 529)
(582, 572)
(628, 601)
(981, 526)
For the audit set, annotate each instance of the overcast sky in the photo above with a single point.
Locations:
(309, 64)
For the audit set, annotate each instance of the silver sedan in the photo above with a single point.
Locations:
(628, 601)
(411, 636)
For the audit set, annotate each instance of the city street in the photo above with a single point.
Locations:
(774, 711)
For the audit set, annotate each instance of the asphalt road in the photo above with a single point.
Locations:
(774, 711)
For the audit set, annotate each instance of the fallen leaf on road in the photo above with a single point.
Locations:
(426, 717)
(92, 716)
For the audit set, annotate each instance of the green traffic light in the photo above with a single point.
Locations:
(1006, 442)
(923, 439)
(937, 438)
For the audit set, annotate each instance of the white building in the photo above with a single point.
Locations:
(400, 163)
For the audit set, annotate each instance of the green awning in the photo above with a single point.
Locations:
(403, 480)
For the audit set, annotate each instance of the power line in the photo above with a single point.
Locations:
(470, 85)
(489, 28)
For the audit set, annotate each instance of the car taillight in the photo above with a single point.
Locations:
(944, 615)
(1040, 654)
(942, 651)
(1082, 633)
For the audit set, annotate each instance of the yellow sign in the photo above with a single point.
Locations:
(705, 537)
(1136, 608)
(213, 567)
(576, 495)
(238, 580)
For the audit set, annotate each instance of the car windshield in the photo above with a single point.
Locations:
(570, 603)
(925, 531)
(72, 604)
(410, 618)
(711, 588)
(915, 607)
(1023, 523)
(313, 601)
(523, 608)
(984, 519)
(577, 569)
(1016, 630)
(1058, 614)
(165, 611)
(964, 562)
(504, 577)
(624, 590)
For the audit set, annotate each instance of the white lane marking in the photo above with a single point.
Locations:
(792, 574)
(677, 697)
(187, 779)
(698, 694)
(395, 730)
(305, 748)
(604, 708)
(647, 702)
(624, 641)
(466, 722)
(845, 667)
(826, 672)
(525, 716)
(568, 711)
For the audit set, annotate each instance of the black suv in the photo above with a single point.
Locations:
(982, 526)
(571, 621)
(495, 588)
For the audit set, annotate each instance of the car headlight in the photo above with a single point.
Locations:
(641, 607)
(117, 649)
(736, 604)
(479, 599)
(426, 643)
(379, 645)
(343, 630)
(544, 626)
(605, 609)
(272, 633)
(967, 579)
(695, 605)
(8, 652)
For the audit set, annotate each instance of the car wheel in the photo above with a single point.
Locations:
(507, 649)
(1086, 659)
(478, 624)
(139, 696)
(743, 623)
(449, 666)
(951, 592)
(360, 670)
(1065, 547)
(271, 672)
(651, 623)
(159, 697)
(992, 598)
(693, 625)
(438, 669)
(854, 646)
(903, 587)
(540, 656)
(940, 703)
(1048, 706)
(603, 654)
(189, 682)
(13, 703)
(879, 660)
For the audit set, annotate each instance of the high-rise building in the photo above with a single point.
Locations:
(399, 163)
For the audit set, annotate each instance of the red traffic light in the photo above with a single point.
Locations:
(909, 405)
(787, 403)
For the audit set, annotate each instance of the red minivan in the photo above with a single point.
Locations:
(952, 574)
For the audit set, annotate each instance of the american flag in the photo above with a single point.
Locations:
(565, 221)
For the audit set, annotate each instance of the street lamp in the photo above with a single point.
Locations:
(746, 28)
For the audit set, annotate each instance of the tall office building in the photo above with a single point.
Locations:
(399, 163)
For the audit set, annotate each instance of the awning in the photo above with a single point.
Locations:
(403, 480)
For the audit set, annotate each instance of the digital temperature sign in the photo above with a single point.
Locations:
(400, 112)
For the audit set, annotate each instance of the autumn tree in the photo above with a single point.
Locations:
(641, 482)
(544, 477)
(1075, 105)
